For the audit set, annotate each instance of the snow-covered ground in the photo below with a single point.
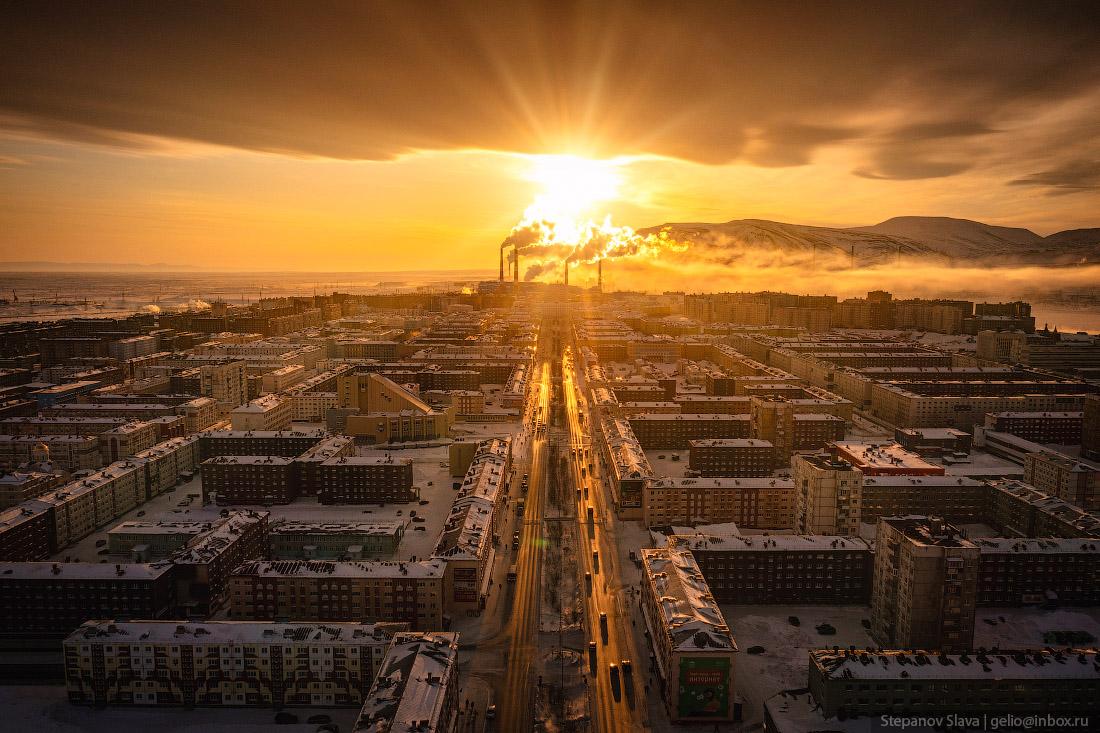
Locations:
(1023, 628)
(46, 709)
(783, 664)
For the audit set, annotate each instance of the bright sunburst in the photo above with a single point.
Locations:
(571, 186)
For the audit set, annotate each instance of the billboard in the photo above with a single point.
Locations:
(704, 687)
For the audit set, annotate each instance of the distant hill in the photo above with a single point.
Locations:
(937, 239)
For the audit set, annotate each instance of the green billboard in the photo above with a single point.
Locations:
(704, 687)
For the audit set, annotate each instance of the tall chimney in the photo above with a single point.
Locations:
(566, 265)
(502, 264)
(599, 275)
(515, 271)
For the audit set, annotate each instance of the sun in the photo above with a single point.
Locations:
(572, 186)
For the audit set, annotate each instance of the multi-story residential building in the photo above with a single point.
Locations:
(262, 480)
(782, 569)
(793, 425)
(270, 412)
(1063, 428)
(49, 599)
(132, 347)
(225, 382)
(1070, 479)
(204, 564)
(20, 486)
(1021, 509)
(26, 532)
(868, 683)
(365, 480)
(281, 379)
(149, 541)
(692, 643)
(1017, 571)
(626, 464)
(285, 443)
(126, 440)
(340, 591)
(294, 540)
(675, 432)
(739, 457)
(224, 663)
(308, 466)
(925, 585)
(466, 542)
(828, 496)
(955, 498)
(761, 503)
(416, 688)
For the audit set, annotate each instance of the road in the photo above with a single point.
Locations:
(617, 704)
(516, 701)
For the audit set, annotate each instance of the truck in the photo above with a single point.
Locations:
(591, 514)
(520, 504)
(512, 573)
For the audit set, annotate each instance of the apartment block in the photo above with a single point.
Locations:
(738, 457)
(675, 432)
(340, 591)
(264, 480)
(270, 412)
(693, 646)
(828, 496)
(783, 569)
(365, 480)
(1063, 428)
(868, 683)
(300, 540)
(1070, 479)
(49, 599)
(760, 503)
(925, 585)
(224, 663)
(416, 688)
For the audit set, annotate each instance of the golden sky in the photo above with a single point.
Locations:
(392, 136)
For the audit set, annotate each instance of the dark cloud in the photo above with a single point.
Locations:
(791, 144)
(769, 83)
(926, 150)
(1072, 177)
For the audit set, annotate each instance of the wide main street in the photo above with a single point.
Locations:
(616, 668)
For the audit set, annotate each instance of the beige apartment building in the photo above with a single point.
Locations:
(925, 585)
(224, 663)
(828, 496)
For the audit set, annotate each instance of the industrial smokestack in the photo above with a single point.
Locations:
(599, 275)
(566, 274)
(502, 264)
(515, 271)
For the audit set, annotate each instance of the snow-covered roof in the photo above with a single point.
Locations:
(411, 687)
(350, 569)
(1002, 665)
(240, 632)
(689, 613)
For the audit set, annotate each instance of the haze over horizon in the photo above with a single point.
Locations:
(380, 138)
